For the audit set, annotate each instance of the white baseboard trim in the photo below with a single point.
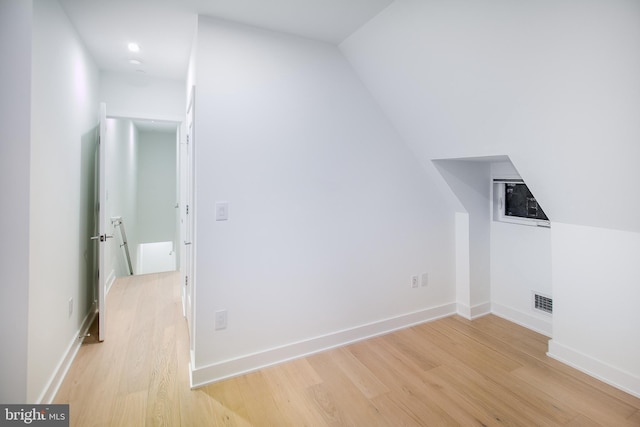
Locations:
(541, 326)
(613, 376)
(252, 362)
(111, 278)
(49, 393)
(474, 312)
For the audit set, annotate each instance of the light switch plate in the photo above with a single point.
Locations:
(222, 211)
(221, 320)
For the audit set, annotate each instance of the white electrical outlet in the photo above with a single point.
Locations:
(424, 279)
(70, 306)
(414, 281)
(221, 319)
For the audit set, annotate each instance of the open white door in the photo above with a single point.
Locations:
(102, 236)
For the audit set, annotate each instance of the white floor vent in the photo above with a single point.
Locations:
(542, 303)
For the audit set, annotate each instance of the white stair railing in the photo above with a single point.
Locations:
(119, 223)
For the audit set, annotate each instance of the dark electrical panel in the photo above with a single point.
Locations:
(520, 203)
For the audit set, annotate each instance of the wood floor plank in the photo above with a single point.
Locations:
(519, 345)
(597, 406)
(408, 392)
(410, 346)
(300, 373)
(540, 403)
(393, 414)
(458, 346)
(345, 394)
(291, 400)
(358, 374)
(459, 402)
(453, 371)
(331, 414)
(530, 348)
(129, 410)
(500, 397)
(229, 395)
(162, 391)
(261, 408)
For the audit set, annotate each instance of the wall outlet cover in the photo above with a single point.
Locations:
(414, 281)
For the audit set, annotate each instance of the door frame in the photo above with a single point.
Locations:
(187, 217)
(104, 221)
(102, 224)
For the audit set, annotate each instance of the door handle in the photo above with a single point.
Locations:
(101, 237)
(187, 243)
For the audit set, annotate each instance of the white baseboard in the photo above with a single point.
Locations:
(49, 393)
(474, 312)
(615, 377)
(252, 362)
(111, 278)
(541, 326)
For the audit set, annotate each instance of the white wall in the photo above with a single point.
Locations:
(545, 84)
(192, 68)
(141, 96)
(156, 212)
(330, 214)
(596, 294)
(122, 190)
(470, 181)
(64, 119)
(15, 112)
(550, 85)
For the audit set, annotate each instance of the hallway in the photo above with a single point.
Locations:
(144, 355)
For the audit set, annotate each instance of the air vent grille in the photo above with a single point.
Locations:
(543, 303)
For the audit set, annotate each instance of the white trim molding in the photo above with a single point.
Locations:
(251, 362)
(474, 312)
(529, 321)
(49, 393)
(613, 376)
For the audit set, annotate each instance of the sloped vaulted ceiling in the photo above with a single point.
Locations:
(552, 86)
(165, 28)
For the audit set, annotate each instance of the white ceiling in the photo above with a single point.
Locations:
(164, 29)
(155, 126)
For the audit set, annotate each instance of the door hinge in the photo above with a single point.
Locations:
(187, 209)
(186, 280)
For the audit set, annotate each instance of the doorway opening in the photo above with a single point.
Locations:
(142, 196)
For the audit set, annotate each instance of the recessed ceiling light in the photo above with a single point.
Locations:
(135, 62)
(133, 47)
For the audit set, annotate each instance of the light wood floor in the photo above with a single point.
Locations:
(448, 372)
